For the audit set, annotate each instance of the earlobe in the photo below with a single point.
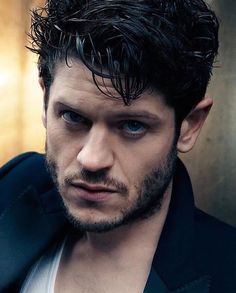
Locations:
(41, 83)
(43, 117)
(192, 125)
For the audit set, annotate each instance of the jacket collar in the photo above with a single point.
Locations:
(26, 231)
(155, 284)
(173, 269)
(173, 263)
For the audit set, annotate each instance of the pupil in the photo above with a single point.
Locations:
(134, 125)
(74, 116)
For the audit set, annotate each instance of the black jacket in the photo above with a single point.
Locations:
(196, 253)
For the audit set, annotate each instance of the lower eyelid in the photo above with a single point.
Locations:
(136, 131)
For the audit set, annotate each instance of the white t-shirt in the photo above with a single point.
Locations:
(42, 276)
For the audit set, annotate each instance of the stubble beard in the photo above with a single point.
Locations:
(149, 200)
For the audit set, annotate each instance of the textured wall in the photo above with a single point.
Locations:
(212, 163)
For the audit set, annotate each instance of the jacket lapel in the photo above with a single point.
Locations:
(35, 221)
(201, 285)
(173, 262)
(26, 231)
(155, 284)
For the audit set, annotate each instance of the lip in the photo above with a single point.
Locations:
(95, 193)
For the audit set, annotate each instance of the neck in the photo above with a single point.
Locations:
(139, 237)
(116, 261)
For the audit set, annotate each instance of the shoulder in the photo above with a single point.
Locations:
(215, 244)
(25, 170)
(15, 164)
(209, 229)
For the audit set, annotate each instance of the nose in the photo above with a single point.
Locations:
(96, 153)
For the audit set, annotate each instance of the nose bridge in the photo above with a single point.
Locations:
(96, 152)
(97, 138)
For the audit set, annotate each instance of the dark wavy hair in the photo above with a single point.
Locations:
(168, 46)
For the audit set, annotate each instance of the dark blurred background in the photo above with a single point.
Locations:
(212, 163)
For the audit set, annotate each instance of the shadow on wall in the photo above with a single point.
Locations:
(212, 164)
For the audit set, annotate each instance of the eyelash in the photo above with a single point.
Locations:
(121, 124)
(133, 134)
(63, 112)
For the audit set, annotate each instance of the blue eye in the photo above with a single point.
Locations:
(72, 117)
(134, 128)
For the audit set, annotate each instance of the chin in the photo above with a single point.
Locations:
(93, 223)
(91, 219)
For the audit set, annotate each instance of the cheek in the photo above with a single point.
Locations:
(63, 149)
(143, 157)
(56, 142)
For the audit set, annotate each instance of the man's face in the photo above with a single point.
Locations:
(112, 163)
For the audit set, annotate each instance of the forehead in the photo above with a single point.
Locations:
(74, 85)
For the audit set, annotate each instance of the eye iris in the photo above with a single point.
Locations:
(134, 126)
(74, 117)
(71, 116)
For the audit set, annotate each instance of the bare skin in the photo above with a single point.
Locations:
(117, 261)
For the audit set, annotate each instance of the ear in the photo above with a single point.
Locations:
(43, 117)
(192, 124)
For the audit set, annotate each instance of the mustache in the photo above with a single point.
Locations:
(92, 177)
(98, 177)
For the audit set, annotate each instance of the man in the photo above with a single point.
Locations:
(124, 85)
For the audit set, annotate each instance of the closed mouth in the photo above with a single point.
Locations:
(93, 188)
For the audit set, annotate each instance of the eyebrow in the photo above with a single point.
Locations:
(138, 114)
(133, 114)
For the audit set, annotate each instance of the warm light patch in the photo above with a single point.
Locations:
(21, 128)
(4, 78)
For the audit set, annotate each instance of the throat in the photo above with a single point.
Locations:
(93, 262)
(135, 238)
(128, 243)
